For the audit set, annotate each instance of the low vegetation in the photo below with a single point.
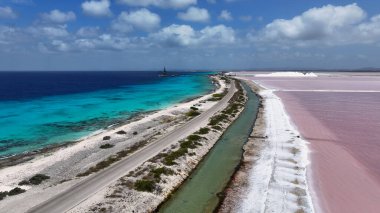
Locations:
(156, 173)
(16, 191)
(3, 195)
(145, 185)
(35, 180)
(194, 108)
(106, 146)
(106, 138)
(112, 159)
(191, 142)
(217, 97)
(148, 183)
(121, 132)
(193, 113)
(217, 119)
(203, 131)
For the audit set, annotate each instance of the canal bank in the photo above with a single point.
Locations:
(200, 192)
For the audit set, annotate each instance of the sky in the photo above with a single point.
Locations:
(188, 34)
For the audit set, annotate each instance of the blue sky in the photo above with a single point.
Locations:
(188, 34)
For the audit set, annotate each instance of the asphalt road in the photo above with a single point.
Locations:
(78, 193)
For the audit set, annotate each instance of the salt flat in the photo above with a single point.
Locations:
(338, 114)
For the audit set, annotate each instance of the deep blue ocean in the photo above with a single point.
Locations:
(38, 109)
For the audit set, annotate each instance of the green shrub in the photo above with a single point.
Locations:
(203, 131)
(218, 95)
(106, 146)
(24, 182)
(188, 145)
(38, 178)
(193, 113)
(16, 191)
(145, 185)
(159, 171)
(217, 127)
(3, 195)
(121, 132)
(170, 158)
(106, 138)
(194, 137)
(217, 119)
(194, 108)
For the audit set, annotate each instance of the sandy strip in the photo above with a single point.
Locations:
(276, 182)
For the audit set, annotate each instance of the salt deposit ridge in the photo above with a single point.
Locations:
(278, 178)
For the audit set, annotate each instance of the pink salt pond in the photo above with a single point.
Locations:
(340, 117)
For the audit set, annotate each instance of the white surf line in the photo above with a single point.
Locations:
(278, 180)
(307, 90)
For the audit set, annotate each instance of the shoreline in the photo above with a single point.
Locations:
(252, 180)
(116, 197)
(66, 163)
(14, 159)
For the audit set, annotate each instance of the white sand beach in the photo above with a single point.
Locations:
(66, 163)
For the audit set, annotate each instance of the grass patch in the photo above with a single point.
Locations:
(106, 146)
(144, 185)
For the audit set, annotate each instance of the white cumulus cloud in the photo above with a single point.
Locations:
(185, 35)
(225, 15)
(97, 8)
(330, 23)
(49, 31)
(195, 14)
(176, 4)
(141, 19)
(7, 13)
(57, 16)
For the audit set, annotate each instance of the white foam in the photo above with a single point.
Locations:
(280, 167)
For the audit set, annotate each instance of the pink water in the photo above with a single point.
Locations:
(343, 129)
(323, 83)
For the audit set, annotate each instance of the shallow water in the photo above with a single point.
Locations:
(199, 192)
(33, 118)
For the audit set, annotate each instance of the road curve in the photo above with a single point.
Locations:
(78, 193)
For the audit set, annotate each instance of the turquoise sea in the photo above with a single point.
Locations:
(65, 106)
